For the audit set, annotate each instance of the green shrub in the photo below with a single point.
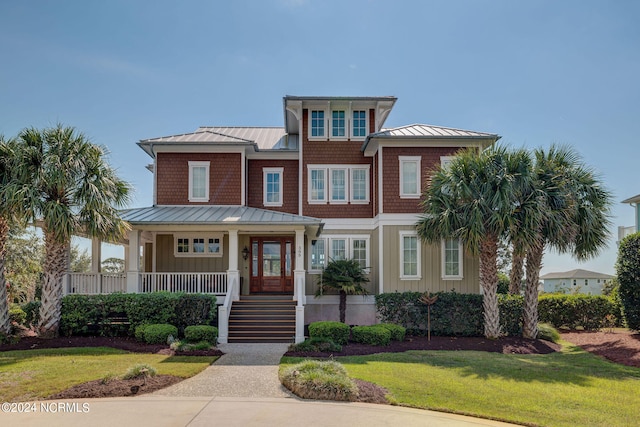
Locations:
(372, 335)
(628, 271)
(139, 331)
(159, 333)
(548, 333)
(319, 380)
(588, 312)
(336, 331)
(195, 309)
(32, 309)
(186, 346)
(197, 333)
(140, 371)
(321, 344)
(511, 312)
(17, 314)
(397, 332)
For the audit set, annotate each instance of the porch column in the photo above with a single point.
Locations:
(233, 274)
(299, 272)
(133, 258)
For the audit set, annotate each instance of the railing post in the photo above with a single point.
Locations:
(299, 323)
(223, 325)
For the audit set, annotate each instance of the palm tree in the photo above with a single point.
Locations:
(345, 276)
(575, 218)
(69, 187)
(475, 199)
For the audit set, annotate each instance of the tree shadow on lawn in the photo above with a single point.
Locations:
(570, 366)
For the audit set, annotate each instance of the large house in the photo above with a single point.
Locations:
(576, 282)
(253, 213)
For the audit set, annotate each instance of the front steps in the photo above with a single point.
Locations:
(263, 319)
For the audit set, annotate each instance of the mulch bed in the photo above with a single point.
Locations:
(117, 387)
(619, 346)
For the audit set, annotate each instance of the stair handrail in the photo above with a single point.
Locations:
(224, 311)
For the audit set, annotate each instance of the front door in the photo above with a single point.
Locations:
(271, 264)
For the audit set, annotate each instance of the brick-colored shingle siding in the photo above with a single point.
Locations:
(255, 191)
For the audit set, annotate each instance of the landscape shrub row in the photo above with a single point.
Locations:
(120, 314)
(338, 333)
(455, 314)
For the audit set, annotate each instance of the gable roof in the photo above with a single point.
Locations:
(576, 274)
(212, 215)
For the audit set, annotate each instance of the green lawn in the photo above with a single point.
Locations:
(568, 388)
(35, 374)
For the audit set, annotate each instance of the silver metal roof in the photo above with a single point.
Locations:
(576, 274)
(212, 215)
(634, 199)
(421, 131)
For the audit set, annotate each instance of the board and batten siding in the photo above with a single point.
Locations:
(431, 268)
(167, 262)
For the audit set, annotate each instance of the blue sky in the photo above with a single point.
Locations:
(536, 72)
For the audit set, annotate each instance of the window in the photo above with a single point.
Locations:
(445, 161)
(409, 177)
(272, 178)
(316, 185)
(338, 184)
(338, 124)
(574, 282)
(359, 124)
(359, 185)
(199, 181)
(586, 282)
(197, 245)
(409, 256)
(339, 247)
(452, 253)
(317, 123)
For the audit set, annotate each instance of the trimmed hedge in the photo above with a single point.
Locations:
(397, 332)
(628, 271)
(197, 333)
(372, 335)
(159, 333)
(455, 314)
(94, 314)
(336, 331)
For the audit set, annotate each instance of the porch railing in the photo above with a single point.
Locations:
(206, 283)
(95, 283)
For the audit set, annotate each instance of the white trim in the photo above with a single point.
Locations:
(348, 238)
(335, 299)
(192, 166)
(310, 169)
(328, 183)
(445, 160)
(380, 258)
(325, 120)
(418, 275)
(367, 184)
(366, 123)
(346, 173)
(280, 173)
(407, 160)
(443, 269)
(347, 131)
(349, 223)
(189, 237)
(380, 187)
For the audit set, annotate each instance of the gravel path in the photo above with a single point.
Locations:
(245, 370)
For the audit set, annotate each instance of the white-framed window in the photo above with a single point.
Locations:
(338, 124)
(452, 255)
(338, 184)
(338, 187)
(197, 245)
(445, 161)
(410, 268)
(317, 124)
(410, 177)
(272, 178)
(317, 187)
(335, 247)
(359, 124)
(199, 181)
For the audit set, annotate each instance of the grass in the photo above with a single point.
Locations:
(567, 388)
(35, 374)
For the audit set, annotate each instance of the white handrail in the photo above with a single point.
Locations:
(224, 311)
(206, 283)
(95, 283)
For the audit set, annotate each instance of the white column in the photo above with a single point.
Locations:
(233, 274)
(133, 258)
(299, 272)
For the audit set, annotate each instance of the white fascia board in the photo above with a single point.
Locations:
(376, 143)
(397, 219)
(194, 148)
(272, 155)
(349, 224)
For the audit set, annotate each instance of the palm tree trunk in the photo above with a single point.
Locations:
(530, 315)
(55, 266)
(489, 283)
(343, 306)
(5, 320)
(515, 278)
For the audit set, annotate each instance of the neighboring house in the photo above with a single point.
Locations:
(575, 282)
(249, 211)
(624, 231)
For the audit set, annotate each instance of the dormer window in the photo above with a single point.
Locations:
(338, 124)
(317, 123)
(359, 124)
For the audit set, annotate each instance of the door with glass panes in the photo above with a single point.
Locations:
(271, 264)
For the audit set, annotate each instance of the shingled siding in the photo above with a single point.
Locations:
(327, 152)
(391, 201)
(255, 187)
(225, 180)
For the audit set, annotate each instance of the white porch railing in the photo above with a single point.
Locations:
(95, 283)
(224, 311)
(206, 283)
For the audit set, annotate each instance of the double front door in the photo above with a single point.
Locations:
(271, 264)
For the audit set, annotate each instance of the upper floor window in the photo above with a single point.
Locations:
(338, 184)
(317, 123)
(451, 259)
(359, 124)
(272, 178)
(409, 256)
(410, 177)
(338, 124)
(199, 181)
(188, 245)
